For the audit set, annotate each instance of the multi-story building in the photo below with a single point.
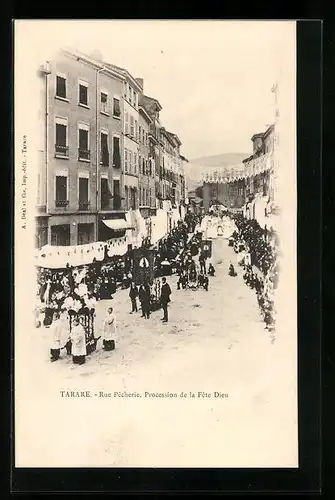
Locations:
(105, 163)
(146, 178)
(263, 144)
(79, 176)
(131, 141)
(153, 107)
(221, 188)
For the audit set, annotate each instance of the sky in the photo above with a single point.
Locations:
(212, 78)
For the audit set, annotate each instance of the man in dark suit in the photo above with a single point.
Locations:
(165, 298)
(144, 296)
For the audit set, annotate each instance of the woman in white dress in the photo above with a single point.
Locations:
(109, 330)
(78, 340)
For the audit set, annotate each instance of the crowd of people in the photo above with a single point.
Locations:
(67, 297)
(260, 262)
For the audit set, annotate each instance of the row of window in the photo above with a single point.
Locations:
(110, 198)
(84, 153)
(136, 164)
(130, 95)
(146, 197)
(60, 234)
(134, 130)
(83, 96)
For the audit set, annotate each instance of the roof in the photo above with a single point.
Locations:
(153, 100)
(168, 135)
(126, 74)
(177, 139)
(269, 129)
(145, 113)
(248, 159)
(174, 138)
(255, 136)
(263, 134)
(115, 70)
(100, 65)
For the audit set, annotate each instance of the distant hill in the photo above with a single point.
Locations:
(222, 160)
(195, 168)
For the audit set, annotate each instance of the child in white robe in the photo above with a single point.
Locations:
(78, 340)
(109, 330)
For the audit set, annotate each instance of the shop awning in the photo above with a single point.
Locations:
(118, 224)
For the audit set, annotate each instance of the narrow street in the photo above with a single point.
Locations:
(214, 341)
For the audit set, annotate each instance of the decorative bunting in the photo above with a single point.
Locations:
(241, 171)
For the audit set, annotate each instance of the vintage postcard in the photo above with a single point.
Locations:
(155, 244)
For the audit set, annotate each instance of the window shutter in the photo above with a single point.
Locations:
(83, 94)
(116, 107)
(83, 139)
(60, 134)
(83, 190)
(104, 150)
(116, 152)
(61, 188)
(61, 87)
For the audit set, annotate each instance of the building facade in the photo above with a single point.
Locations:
(103, 155)
(249, 186)
(147, 199)
(152, 108)
(263, 144)
(79, 174)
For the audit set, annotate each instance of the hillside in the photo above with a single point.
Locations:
(195, 168)
(221, 160)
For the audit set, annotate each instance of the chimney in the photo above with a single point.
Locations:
(140, 81)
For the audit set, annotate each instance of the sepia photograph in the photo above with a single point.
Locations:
(155, 297)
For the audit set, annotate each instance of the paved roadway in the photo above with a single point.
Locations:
(215, 341)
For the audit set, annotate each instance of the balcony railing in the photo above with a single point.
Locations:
(61, 203)
(84, 154)
(84, 205)
(61, 151)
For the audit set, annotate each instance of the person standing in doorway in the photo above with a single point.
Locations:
(165, 299)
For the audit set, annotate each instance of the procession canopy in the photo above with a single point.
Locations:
(224, 175)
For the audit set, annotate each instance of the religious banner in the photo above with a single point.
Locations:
(143, 266)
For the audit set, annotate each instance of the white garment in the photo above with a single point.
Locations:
(46, 296)
(247, 259)
(56, 334)
(109, 327)
(76, 305)
(78, 340)
(91, 303)
(68, 302)
(82, 289)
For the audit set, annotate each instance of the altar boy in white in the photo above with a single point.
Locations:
(109, 330)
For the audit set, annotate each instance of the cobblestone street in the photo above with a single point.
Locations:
(215, 341)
